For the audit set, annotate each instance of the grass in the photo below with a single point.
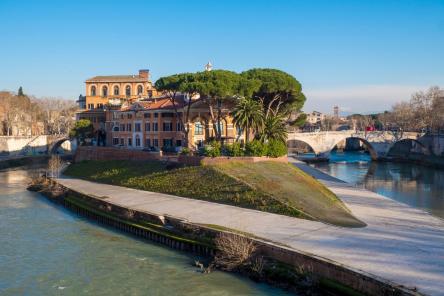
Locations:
(269, 187)
(294, 188)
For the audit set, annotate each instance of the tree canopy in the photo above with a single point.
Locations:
(279, 91)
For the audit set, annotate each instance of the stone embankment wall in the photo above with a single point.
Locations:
(111, 153)
(23, 145)
(183, 235)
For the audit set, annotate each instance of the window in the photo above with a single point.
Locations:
(130, 142)
(156, 115)
(93, 90)
(147, 143)
(90, 106)
(220, 127)
(115, 141)
(146, 115)
(128, 90)
(198, 129)
(178, 143)
(105, 91)
(178, 127)
(122, 127)
(130, 116)
(167, 126)
(121, 116)
(147, 127)
(155, 126)
(99, 106)
(167, 142)
(156, 143)
(122, 142)
(129, 127)
(150, 93)
(137, 127)
(115, 128)
(116, 90)
(139, 90)
(137, 141)
(167, 114)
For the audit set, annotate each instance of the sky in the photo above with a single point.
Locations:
(363, 56)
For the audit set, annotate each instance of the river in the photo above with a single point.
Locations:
(415, 185)
(48, 250)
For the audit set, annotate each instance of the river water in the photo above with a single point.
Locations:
(416, 185)
(48, 250)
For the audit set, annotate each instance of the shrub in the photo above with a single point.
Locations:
(212, 149)
(234, 251)
(185, 151)
(255, 148)
(234, 149)
(276, 148)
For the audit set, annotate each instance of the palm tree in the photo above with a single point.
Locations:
(248, 114)
(274, 128)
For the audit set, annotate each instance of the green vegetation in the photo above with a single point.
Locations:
(292, 187)
(270, 187)
(82, 129)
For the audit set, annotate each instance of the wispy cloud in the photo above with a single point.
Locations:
(361, 98)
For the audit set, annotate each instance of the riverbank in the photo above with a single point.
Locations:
(267, 186)
(17, 161)
(387, 248)
(47, 249)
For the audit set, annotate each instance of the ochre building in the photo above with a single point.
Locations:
(104, 92)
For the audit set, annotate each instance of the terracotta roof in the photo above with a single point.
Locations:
(118, 78)
(156, 104)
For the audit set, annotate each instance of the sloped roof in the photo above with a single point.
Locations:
(156, 104)
(118, 78)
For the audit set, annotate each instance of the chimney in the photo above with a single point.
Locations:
(144, 73)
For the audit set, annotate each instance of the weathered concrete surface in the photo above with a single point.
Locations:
(400, 243)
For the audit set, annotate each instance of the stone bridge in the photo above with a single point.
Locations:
(378, 143)
(34, 145)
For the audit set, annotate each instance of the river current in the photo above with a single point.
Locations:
(48, 250)
(416, 185)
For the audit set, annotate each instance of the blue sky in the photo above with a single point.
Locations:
(360, 55)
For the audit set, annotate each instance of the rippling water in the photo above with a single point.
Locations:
(47, 250)
(415, 185)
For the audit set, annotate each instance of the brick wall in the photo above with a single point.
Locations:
(111, 153)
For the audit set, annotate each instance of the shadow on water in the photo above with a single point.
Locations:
(48, 250)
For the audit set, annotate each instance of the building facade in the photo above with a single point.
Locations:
(154, 124)
(104, 92)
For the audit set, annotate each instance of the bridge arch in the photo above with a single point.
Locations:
(424, 149)
(293, 143)
(367, 144)
(56, 145)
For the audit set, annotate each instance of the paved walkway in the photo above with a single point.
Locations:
(400, 243)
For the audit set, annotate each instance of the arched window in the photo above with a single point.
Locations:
(139, 90)
(198, 129)
(93, 90)
(105, 91)
(116, 90)
(128, 90)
